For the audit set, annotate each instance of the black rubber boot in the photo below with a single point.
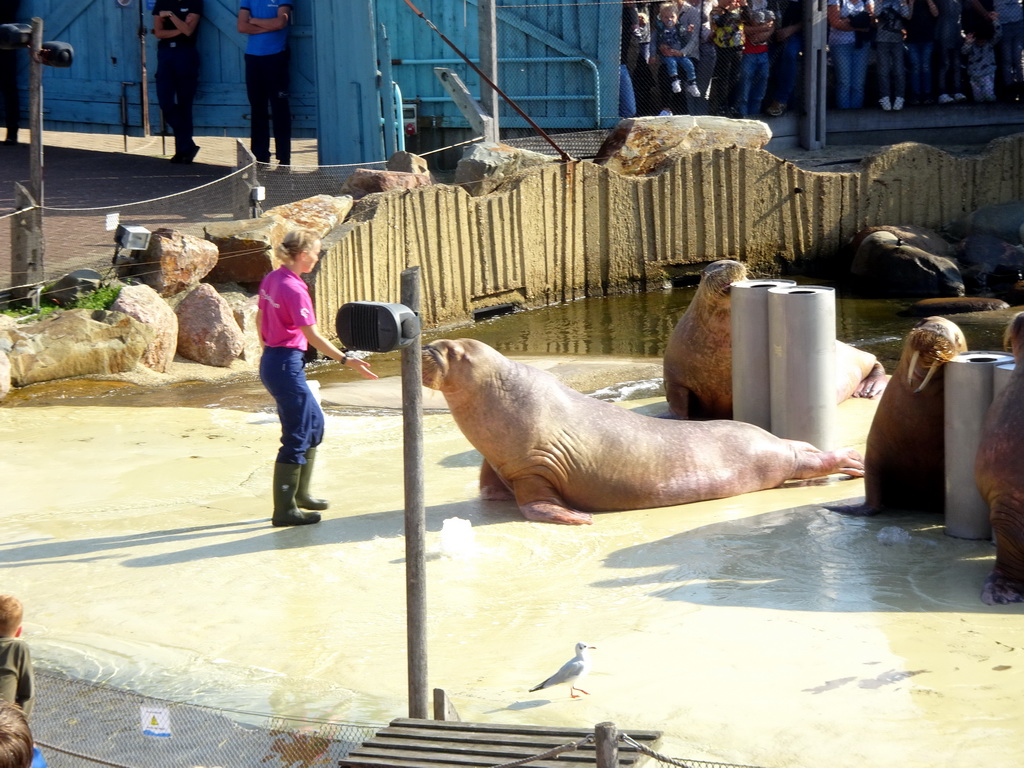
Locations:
(302, 497)
(286, 482)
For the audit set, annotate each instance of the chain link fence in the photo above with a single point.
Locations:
(83, 725)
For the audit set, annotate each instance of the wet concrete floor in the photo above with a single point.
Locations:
(766, 629)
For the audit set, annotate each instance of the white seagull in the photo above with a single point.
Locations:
(572, 672)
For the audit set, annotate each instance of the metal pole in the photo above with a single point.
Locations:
(488, 34)
(35, 112)
(415, 516)
(143, 84)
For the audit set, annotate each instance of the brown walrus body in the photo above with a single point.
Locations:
(904, 461)
(698, 356)
(999, 472)
(564, 454)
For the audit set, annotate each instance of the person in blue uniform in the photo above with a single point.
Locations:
(287, 326)
(175, 24)
(266, 76)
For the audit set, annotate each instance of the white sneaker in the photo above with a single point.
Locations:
(692, 89)
(897, 103)
(884, 103)
(676, 86)
(945, 98)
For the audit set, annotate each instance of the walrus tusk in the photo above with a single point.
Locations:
(927, 378)
(911, 368)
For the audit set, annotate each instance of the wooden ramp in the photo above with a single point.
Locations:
(410, 743)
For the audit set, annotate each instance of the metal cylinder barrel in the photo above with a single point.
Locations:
(802, 363)
(969, 385)
(751, 397)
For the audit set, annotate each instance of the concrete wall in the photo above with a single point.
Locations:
(564, 232)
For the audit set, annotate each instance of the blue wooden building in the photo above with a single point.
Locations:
(355, 63)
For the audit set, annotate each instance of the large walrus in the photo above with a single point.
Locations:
(698, 356)
(999, 473)
(905, 457)
(563, 454)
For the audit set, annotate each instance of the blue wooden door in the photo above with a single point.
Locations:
(102, 91)
(558, 61)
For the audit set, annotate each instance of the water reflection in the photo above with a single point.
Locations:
(634, 326)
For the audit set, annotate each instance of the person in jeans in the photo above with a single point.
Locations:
(676, 45)
(890, 52)
(949, 38)
(920, 42)
(266, 76)
(850, 23)
(758, 28)
(791, 41)
(727, 34)
(1010, 15)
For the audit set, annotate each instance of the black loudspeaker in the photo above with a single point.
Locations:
(373, 326)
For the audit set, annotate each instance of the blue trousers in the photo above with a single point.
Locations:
(266, 85)
(302, 420)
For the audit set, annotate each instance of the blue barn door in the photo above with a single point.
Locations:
(558, 61)
(102, 91)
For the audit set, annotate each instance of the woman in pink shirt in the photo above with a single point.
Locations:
(287, 326)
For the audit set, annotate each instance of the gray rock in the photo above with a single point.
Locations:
(76, 342)
(207, 331)
(73, 286)
(145, 305)
(485, 167)
(1004, 220)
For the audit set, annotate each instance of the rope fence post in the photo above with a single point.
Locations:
(606, 745)
(26, 240)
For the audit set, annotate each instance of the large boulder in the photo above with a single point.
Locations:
(1003, 220)
(367, 181)
(320, 213)
(407, 162)
(990, 261)
(247, 249)
(145, 305)
(76, 342)
(244, 308)
(173, 262)
(885, 266)
(485, 167)
(5, 374)
(207, 331)
(645, 146)
(67, 289)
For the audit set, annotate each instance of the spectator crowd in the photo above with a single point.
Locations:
(742, 58)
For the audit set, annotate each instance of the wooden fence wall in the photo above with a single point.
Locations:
(563, 232)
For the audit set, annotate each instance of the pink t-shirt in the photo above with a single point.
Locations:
(286, 307)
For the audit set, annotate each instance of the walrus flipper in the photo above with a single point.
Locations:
(548, 512)
(872, 385)
(999, 590)
(492, 486)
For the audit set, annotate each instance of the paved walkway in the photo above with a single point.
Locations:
(91, 169)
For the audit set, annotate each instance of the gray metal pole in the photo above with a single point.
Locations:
(488, 34)
(35, 112)
(415, 516)
(815, 75)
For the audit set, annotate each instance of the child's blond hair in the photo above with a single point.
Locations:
(11, 613)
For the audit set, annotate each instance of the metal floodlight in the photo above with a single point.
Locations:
(373, 326)
(56, 54)
(132, 238)
(257, 194)
(14, 36)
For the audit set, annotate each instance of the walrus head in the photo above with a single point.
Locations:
(932, 343)
(1013, 338)
(717, 276)
(441, 357)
